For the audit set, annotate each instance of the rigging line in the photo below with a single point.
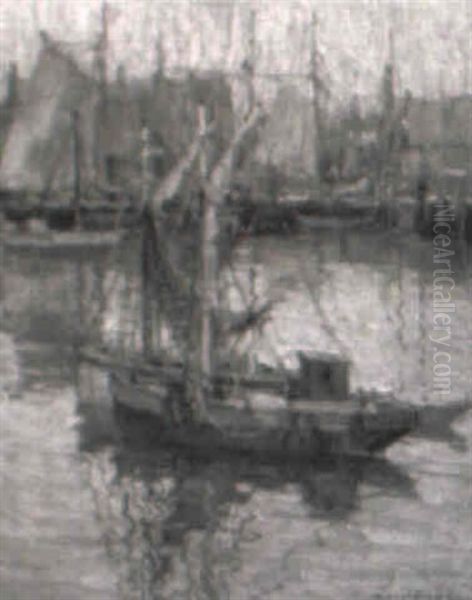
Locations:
(325, 322)
(402, 321)
(239, 287)
(112, 257)
(158, 250)
(248, 305)
(177, 278)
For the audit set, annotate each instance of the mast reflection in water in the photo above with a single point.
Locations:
(115, 520)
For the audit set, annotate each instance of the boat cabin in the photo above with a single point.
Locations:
(324, 376)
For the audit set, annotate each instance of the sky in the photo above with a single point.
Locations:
(432, 39)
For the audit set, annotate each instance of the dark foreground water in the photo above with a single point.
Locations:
(82, 515)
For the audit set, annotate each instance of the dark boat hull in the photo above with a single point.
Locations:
(303, 431)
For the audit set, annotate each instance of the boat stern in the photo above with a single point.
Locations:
(383, 421)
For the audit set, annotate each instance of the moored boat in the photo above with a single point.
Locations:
(313, 419)
(60, 241)
(206, 404)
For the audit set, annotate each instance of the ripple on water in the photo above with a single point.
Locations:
(393, 528)
(50, 543)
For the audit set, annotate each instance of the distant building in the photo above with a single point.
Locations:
(442, 129)
(445, 122)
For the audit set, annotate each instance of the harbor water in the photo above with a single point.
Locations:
(85, 515)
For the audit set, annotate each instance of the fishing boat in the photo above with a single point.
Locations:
(93, 215)
(258, 419)
(201, 401)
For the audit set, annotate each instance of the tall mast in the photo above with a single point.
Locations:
(392, 62)
(145, 167)
(390, 84)
(248, 67)
(76, 165)
(103, 59)
(386, 172)
(200, 351)
(160, 55)
(315, 85)
(208, 290)
(443, 125)
(252, 59)
(12, 86)
(466, 53)
(152, 320)
(393, 118)
(11, 100)
(147, 321)
(101, 111)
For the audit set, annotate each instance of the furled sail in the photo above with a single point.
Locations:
(173, 228)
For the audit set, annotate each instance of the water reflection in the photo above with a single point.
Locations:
(178, 523)
(177, 526)
(174, 527)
